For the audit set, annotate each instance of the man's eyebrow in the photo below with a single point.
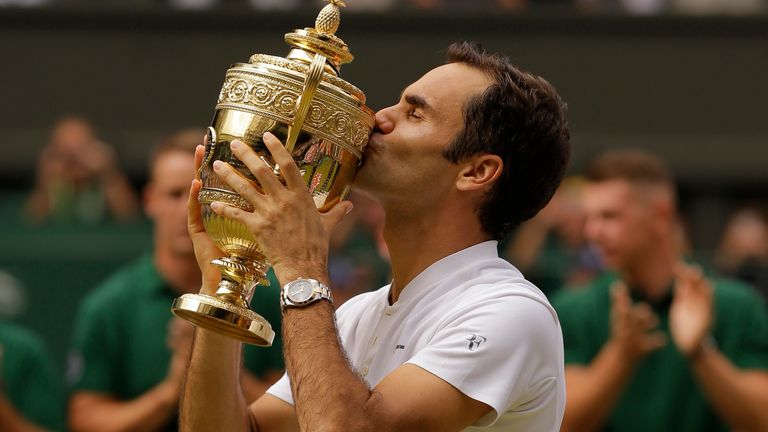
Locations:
(418, 102)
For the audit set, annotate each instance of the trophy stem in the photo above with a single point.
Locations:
(227, 311)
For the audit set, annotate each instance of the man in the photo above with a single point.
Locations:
(79, 179)
(459, 338)
(657, 346)
(31, 397)
(130, 355)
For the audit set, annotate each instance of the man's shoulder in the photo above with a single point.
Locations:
(362, 301)
(15, 338)
(732, 293)
(585, 296)
(128, 282)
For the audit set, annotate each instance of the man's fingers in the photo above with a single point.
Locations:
(235, 213)
(688, 273)
(258, 167)
(285, 161)
(199, 154)
(654, 341)
(645, 315)
(620, 296)
(242, 186)
(194, 219)
(335, 215)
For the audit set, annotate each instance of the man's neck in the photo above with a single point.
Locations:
(181, 272)
(415, 243)
(651, 274)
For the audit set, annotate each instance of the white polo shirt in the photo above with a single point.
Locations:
(474, 321)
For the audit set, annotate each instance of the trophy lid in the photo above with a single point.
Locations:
(321, 39)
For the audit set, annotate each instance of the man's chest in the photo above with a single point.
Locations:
(385, 338)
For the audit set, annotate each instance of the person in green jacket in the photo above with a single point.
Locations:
(31, 398)
(130, 354)
(657, 345)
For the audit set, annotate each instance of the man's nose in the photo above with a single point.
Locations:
(591, 229)
(384, 122)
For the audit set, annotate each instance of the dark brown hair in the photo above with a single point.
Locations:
(522, 119)
(183, 140)
(634, 166)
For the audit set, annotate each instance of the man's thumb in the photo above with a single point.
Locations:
(335, 215)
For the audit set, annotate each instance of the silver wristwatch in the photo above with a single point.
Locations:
(303, 292)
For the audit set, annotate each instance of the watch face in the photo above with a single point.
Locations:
(299, 291)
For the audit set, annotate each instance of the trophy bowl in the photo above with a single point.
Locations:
(325, 125)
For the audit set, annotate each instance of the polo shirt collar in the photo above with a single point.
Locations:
(447, 267)
(662, 303)
(153, 283)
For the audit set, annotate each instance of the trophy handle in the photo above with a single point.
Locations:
(210, 146)
(314, 76)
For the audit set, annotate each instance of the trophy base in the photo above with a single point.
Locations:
(224, 318)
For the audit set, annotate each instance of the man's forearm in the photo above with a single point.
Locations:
(740, 397)
(101, 413)
(593, 390)
(328, 394)
(12, 420)
(212, 398)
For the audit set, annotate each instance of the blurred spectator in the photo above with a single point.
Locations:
(192, 4)
(31, 398)
(743, 250)
(129, 355)
(633, 7)
(361, 5)
(657, 346)
(282, 5)
(78, 178)
(359, 260)
(550, 249)
(22, 3)
(727, 7)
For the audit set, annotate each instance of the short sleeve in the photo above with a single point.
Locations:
(33, 384)
(505, 352)
(282, 389)
(94, 355)
(753, 346)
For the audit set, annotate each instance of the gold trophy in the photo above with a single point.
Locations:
(325, 125)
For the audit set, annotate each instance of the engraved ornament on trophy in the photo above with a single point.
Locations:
(325, 125)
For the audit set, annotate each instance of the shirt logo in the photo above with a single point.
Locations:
(475, 341)
(399, 347)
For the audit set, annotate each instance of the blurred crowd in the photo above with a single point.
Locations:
(598, 251)
(634, 7)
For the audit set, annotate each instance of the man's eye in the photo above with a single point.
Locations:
(413, 113)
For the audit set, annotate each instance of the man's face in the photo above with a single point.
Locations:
(70, 142)
(166, 200)
(403, 160)
(619, 221)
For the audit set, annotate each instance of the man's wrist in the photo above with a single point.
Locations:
(288, 273)
(625, 358)
(303, 292)
(700, 350)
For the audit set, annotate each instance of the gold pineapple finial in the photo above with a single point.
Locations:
(329, 18)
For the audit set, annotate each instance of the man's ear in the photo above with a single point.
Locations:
(479, 172)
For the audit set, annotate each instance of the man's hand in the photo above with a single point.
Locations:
(292, 234)
(632, 326)
(691, 313)
(205, 249)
